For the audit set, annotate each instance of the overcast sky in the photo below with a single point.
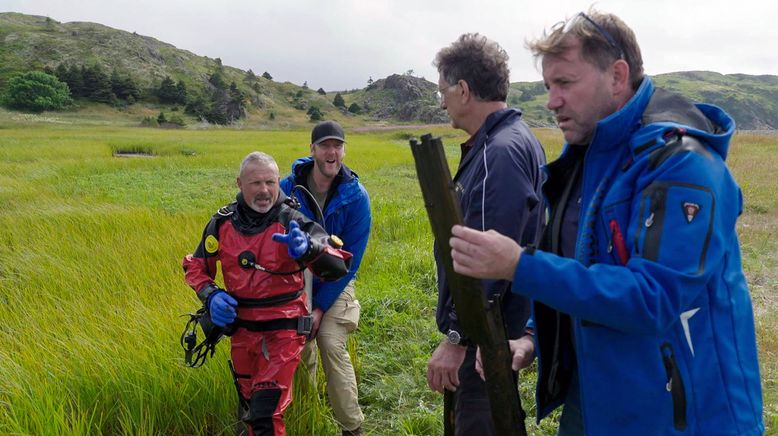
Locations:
(339, 44)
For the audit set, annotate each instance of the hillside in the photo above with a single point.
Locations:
(751, 100)
(33, 43)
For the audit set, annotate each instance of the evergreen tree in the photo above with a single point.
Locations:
(217, 79)
(338, 101)
(305, 85)
(314, 113)
(97, 84)
(198, 106)
(37, 91)
(354, 108)
(321, 91)
(124, 87)
(61, 73)
(75, 81)
(181, 94)
(161, 119)
(167, 92)
(267, 76)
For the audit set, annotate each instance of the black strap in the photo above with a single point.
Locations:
(300, 324)
(269, 301)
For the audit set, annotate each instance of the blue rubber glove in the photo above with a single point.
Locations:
(296, 239)
(222, 308)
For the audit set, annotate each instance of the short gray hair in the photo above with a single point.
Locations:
(480, 62)
(260, 158)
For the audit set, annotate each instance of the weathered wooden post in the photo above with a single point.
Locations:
(480, 319)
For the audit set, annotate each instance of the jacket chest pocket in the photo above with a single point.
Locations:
(675, 224)
(615, 226)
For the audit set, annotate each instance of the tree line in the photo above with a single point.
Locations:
(217, 102)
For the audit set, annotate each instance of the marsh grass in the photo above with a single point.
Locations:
(91, 287)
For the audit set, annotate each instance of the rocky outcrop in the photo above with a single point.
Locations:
(403, 98)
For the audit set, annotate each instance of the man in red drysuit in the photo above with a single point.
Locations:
(263, 244)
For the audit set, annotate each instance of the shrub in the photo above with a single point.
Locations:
(177, 120)
(149, 122)
(37, 91)
(338, 101)
(314, 113)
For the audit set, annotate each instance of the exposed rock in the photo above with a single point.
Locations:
(403, 98)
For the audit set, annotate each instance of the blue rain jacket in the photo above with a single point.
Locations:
(654, 310)
(346, 215)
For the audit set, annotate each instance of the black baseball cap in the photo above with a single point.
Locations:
(327, 130)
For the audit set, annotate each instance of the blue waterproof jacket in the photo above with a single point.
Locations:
(499, 187)
(346, 215)
(656, 299)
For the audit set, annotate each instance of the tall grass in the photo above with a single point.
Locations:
(91, 285)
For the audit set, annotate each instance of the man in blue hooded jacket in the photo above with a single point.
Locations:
(642, 320)
(331, 194)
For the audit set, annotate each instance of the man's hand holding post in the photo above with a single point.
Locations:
(484, 255)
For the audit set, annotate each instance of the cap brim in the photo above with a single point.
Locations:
(320, 140)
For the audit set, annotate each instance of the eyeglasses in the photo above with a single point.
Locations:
(601, 30)
(442, 91)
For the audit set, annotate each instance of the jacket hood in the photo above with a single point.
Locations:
(655, 111)
(667, 111)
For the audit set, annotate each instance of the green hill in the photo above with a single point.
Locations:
(751, 100)
(35, 43)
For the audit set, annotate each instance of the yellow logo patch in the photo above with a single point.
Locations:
(211, 244)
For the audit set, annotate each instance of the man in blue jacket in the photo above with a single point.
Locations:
(642, 318)
(331, 194)
(499, 186)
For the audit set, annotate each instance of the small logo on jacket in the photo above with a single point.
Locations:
(211, 244)
(690, 210)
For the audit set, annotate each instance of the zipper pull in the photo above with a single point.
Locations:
(650, 220)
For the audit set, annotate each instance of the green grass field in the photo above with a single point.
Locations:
(91, 287)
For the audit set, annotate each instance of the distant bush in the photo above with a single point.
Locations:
(355, 108)
(321, 91)
(37, 91)
(338, 101)
(149, 122)
(177, 120)
(314, 113)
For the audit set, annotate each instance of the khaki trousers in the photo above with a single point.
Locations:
(341, 319)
